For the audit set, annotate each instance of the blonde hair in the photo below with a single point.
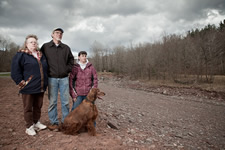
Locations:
(24, 47)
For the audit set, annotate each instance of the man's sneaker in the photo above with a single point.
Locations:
(53, 127)
(39, 126)
(30, 130)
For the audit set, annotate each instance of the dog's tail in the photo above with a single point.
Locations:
(72, 129)
(61, 128)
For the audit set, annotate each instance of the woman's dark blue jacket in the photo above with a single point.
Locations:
(29, 73)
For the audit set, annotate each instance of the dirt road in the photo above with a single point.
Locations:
(128, 119)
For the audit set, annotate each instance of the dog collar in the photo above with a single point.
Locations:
(89, 100)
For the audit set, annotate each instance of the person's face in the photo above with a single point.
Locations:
(83, 58)
(57, 35)
(31, 44)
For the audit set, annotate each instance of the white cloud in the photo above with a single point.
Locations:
(110, 22)
(87, 25)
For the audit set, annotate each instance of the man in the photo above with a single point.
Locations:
(60, 61)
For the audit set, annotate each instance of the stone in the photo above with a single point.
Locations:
(112, 125)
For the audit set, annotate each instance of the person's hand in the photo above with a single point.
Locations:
(74, 99)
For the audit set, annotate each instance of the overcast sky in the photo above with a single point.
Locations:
(110, 22)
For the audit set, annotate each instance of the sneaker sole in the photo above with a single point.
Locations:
(30, 134)
(38, 129)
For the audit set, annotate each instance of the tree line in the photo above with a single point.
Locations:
(195, 57)
(7, 50)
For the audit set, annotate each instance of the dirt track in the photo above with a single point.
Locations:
(145, 120)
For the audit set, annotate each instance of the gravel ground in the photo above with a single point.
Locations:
(131, 116)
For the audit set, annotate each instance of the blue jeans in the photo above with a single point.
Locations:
(78, 102)
(55, 85)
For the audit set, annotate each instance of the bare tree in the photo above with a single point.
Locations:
(7, 50)
(199, 54)
(97, 49)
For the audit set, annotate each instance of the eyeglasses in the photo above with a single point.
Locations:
(58, 32)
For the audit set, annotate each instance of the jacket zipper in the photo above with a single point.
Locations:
(42, 75)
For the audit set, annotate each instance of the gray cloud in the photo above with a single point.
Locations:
(111, 22)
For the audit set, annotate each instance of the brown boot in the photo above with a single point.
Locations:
(53, 127)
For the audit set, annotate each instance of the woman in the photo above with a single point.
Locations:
(82, 78)
(29, 71)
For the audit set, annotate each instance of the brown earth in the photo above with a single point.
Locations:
(131, 116)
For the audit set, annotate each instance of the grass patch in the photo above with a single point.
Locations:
(5, 75)
(218, 83)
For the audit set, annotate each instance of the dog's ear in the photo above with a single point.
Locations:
(92, 95)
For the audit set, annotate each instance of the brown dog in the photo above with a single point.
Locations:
(84, 115)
